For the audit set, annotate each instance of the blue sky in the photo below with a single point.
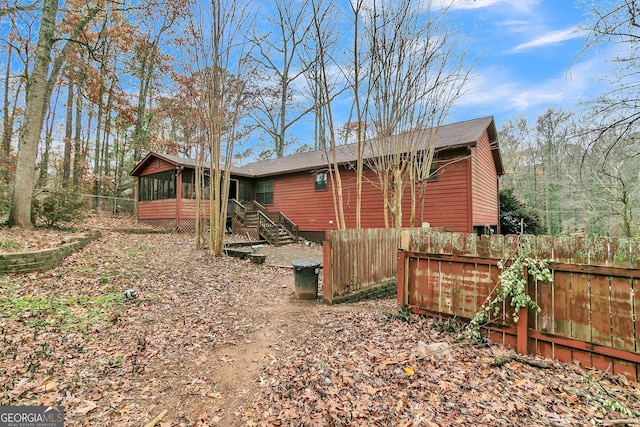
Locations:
(526, 58)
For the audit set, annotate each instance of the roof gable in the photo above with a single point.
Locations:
(149, 158)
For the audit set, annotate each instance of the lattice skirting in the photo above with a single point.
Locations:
(188, 225)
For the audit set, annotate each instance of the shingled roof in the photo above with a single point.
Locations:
(449, 136)
(177, 161)
(461, 134)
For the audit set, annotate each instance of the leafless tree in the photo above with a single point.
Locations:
(324, 43)
(611, 181)
(615, 27)
(278, 50)
(157, 19)
(360, 101)
(221, 53)
(578, 182)
(417, 72)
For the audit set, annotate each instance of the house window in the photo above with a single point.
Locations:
(264, 192)
(321, 181)
(158, 186)
(433, 169)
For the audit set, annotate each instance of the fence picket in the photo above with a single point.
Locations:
(600, 309)
(622, 327)
(562, 249)
(580, 307)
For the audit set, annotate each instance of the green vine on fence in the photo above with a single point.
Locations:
(512, 282)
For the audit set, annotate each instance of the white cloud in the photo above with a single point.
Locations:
(552, 37)
(494, 91)
(513, 23)
(511, 5)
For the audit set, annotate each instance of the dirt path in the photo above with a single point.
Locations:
(251, 315)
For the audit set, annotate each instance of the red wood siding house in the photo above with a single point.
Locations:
(463, 197)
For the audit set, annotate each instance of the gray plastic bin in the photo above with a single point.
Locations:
(306, 273)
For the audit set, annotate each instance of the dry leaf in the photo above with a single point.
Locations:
(85, 407)
(47, 386)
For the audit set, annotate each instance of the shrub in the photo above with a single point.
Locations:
(513, 211)
(55, 206)
(5, 201)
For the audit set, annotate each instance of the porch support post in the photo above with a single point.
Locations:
(178, 196)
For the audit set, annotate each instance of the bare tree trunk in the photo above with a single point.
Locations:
(98, 147)
(36, 103)
(199, 175)
(148, 67)
(106, 170)
(318, 24)
(396, 193)
(68, 135)
(384, 180)
(359, 113)
(39, 89)
(119, 155)
(77, 139)
(44, 164)
(414, 198)
(7, 131)
(145, 80)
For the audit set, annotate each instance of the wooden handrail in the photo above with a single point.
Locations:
(257, 206)
(267, 228)
(238, 209)
(268, 223)
(289, 225)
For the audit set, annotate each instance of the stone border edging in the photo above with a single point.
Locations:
(45, 259)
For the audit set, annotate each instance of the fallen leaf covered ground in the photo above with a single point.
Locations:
(223, 342)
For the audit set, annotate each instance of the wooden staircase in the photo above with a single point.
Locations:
(274, 227)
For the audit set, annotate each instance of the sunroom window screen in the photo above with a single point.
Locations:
(189, 185)
(158, 186)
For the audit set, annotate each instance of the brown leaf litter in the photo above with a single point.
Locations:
(222, 342)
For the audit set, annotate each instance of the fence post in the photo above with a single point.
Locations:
(402, 290)
(522, 328)
(403, 284)
(327, 279)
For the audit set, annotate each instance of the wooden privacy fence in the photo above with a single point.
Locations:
(355, 259)
(590, 312)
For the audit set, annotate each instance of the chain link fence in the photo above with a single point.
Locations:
(113, 205)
